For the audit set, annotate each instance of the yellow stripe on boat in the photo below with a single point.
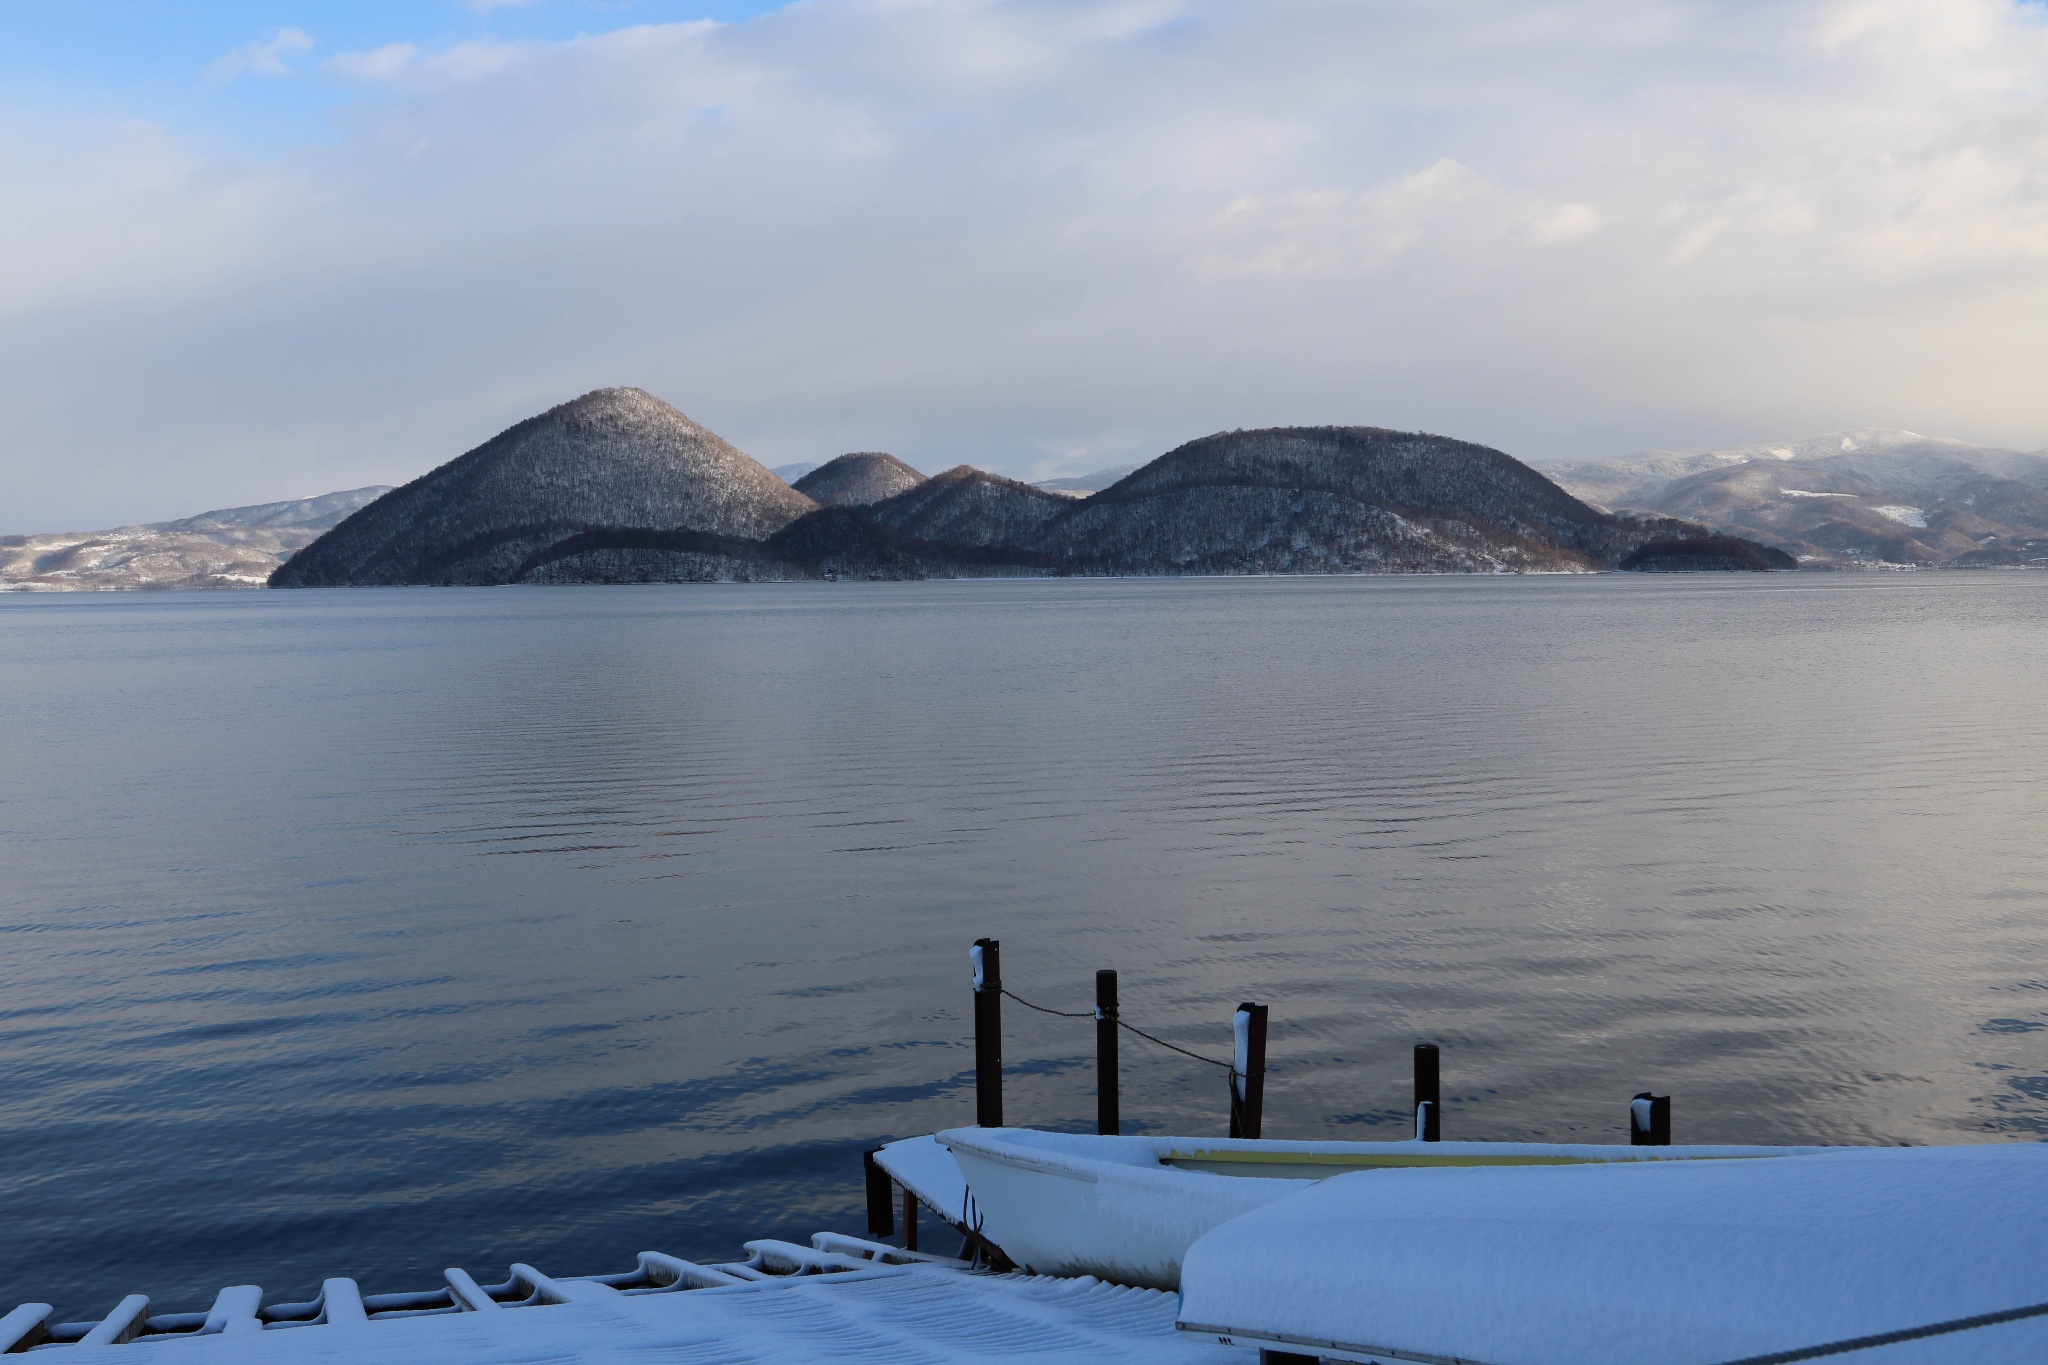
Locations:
(1285, 1165)
(1317, 1165)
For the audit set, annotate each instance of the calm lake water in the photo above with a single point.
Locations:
(373, 932)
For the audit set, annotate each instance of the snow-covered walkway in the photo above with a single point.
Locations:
(802, 1306)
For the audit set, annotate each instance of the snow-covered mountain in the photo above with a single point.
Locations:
(969, 506)
(229, 547)
(1847, 498)
(1285, 500)
(1082, 485)
(1341, 499)
(590, 477)
(618, 486)
(316, 513)
(856, 480)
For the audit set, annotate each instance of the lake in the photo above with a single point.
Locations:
(370, 932)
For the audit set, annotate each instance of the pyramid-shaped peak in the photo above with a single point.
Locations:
(612, 461)
(858, 479)
(620, 403)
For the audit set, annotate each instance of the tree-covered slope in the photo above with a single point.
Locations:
(620, 487)
(1339, 499)
(968, 506)
(613, 463)
(858, 479)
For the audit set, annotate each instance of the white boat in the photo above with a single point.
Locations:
(1127, 1209)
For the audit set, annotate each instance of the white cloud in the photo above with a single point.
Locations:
(377, 64)
(1565, 223)
(1065, 230)
(264, 56)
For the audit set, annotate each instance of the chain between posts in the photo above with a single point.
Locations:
(1090, 1014)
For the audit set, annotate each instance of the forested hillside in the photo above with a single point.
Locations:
(619, 487)
(616, 461)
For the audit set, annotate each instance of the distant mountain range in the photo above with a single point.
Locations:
(1848, 499)
(1088, 483)
(230, 547)
(617, 486)
(1077, 486)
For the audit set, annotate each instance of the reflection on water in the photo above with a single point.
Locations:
(371, 932)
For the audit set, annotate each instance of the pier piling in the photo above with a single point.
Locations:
(1108, 1120)
(1428, 1093)
(881, 1202)
(988, 1032)
(1649, 1120)
(1248, 1071)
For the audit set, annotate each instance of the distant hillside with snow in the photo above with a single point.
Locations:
(1081, 485)
(229, 547)
(1847, 499)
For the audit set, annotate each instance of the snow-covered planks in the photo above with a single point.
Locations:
(840, 1300)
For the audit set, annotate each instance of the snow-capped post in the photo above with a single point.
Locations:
(1649, 1120)
(1107, 1118)
(988, 1032)
(1429, 1124)
(881, 1196)
(1248, 1071)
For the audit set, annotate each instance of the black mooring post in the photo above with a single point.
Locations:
(1107, 1119)
(1649, 1120)
(909, 1220)
(1429, 1123)
(881, 1197)
(988, 1032)
(1248, 1071)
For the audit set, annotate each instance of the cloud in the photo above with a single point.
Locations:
(263, 56)
(1026, 235)
(377, 64)
(1565, 223)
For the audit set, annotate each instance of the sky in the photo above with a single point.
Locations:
(260, 249)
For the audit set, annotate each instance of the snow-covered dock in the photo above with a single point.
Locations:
(839, 1299)
(1432, 1254)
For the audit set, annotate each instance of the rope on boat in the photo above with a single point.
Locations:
(1090, 1014)
(1938, 1329)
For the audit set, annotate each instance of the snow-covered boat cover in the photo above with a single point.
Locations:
(1687, 1263)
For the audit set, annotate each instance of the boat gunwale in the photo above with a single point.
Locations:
(1345, 1161)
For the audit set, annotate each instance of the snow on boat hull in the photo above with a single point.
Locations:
(1127, 1209)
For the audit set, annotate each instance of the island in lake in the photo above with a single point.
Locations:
(619, 487)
